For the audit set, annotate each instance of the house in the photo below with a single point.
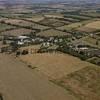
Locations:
(23, 40)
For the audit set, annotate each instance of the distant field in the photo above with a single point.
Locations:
(53, 32)
(17, 32)
(54, 15)
(48, 21)
(52, 22)
(25, 23)
(84, 84)
(91, 41)
(95, 24)
(90, 27)
(4, 27)
(36, 18)
(79, 17)
(54, 65)
(70, 26)
(75, 26)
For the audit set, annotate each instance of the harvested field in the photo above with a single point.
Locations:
(84, 84)
(90, 27)
(53, 32)
(54, 65)
(95, 24)
(17, 32)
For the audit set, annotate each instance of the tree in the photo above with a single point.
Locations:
(97, 42)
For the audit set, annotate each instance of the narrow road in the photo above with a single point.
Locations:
(18, 82)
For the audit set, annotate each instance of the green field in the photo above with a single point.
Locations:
(4, 27)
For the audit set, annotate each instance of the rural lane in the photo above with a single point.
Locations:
(18, 82)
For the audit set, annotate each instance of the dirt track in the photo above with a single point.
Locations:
(18, 82)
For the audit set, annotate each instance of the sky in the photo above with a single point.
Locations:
(45, 0)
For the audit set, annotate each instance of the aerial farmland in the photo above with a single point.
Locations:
(50, 51)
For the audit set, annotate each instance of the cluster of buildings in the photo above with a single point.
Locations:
(15, 42)
(86, 50)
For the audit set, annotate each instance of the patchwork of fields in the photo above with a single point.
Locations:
(73, 29)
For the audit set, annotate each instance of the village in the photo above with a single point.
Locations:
(31, 43)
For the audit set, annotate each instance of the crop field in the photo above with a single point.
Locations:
(70, 26)
(52, 32)
(91, 41)
(91, 27)
(95, 25)
(83, 26)
(47, 21)
(54, 65)
(84, 84)
(79, 17)
(92, 15)
(36, 18)
(53, 22)
(53, 15)
(58, 24)
(72, 20)
(4, 27)
(17, 32)
(25, 23)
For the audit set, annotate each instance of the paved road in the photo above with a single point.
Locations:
(18, 82)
